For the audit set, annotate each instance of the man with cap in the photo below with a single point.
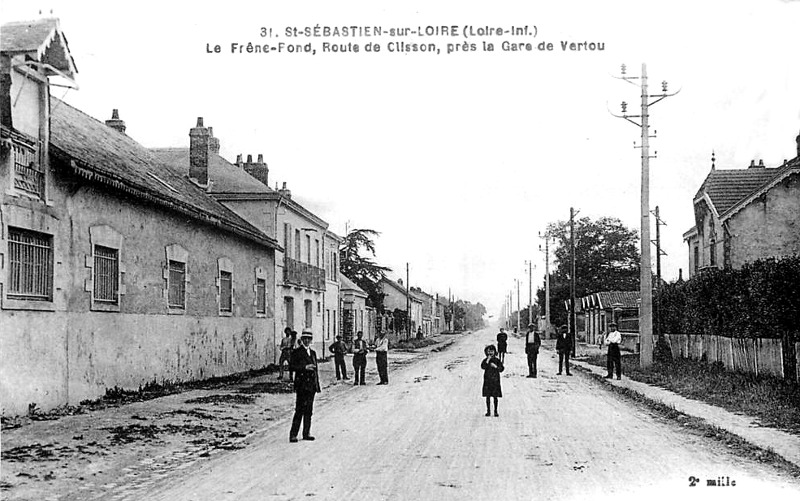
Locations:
(382, 357)
(359, 357)
(339, 349)
(306, 385)
(613, 358)
(564, 348)
(532, 344)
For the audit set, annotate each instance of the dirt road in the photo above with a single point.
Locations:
(425, 436)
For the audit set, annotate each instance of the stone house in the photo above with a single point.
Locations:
(396, 301)
(305, 265)
(743, 215)
(601, 308)
(116, 273)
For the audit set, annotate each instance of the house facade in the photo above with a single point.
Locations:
(332, 302)
(601, 308)
(305, 270)
(356, 316)
(116, 273)
(743, 215)
(396, 302)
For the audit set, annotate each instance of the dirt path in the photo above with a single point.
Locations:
(424, 436)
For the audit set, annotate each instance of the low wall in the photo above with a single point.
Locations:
(755, 356)
(65, 358)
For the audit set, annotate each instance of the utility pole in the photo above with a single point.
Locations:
(530, 293)
(518, 308)
(645, 268)
(572, 323)
(659, 253)
(408, 308)
(546, 282)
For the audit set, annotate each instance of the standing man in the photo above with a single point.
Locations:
(532, 344)
(287, 345)
(502, 344)
(613, 359)
(381, 357)
(564, 348)
(306, 385)
(359, 358)
(339, 349)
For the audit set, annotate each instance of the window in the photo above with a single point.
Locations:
(309, 312)
(297, 243)
(225, 286)
(712, 249)
(106, 275)
(287, 236)
(333, 266)
(28, 171)
(261, 296)
(31, 265)
(176, 294)
(308, 249)
(316, 252)
(225, 291)
(696, 258)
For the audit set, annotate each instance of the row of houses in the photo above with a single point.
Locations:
(122, 265)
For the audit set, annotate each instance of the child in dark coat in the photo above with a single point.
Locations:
(492, 367)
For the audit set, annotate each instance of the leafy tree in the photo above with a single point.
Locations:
(356, 264)
(606, 259)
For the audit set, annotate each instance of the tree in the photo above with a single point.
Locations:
(356, 265)
(606, 259)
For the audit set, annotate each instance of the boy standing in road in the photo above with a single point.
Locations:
(502, 344)
(613, 358)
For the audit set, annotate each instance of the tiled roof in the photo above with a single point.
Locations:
(37, 36)
(607, 299)
(224, 177)
(100, 153)
(348, 284)
(727, 187)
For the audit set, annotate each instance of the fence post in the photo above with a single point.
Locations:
(789, 356)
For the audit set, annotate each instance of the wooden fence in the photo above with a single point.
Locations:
(756, 356)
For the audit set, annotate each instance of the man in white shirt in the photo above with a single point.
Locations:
(613, 359)
(381, 357)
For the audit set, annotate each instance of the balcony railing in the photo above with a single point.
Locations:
(28, 171)
(303, 274)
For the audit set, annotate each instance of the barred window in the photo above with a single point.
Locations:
(31, 265)
(177, 285)
(225, 291)
(28, 171)
(106, 274)
(261, 296)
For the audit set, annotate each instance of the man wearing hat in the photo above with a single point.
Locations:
(306, 385)
(339, 349)
(613, 359)
(532, 344)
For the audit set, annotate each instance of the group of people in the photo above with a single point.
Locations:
(304, 371)
(493, 364)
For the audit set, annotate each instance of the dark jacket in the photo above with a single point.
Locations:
(304, 380)
(491, 378)
(502, 340)
(338, 348)
(532, 343)
(564, 343)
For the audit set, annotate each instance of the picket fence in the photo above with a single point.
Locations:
(755, 356)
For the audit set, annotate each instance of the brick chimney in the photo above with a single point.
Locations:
(115, 123)
(239, 161)
(199, 149)
(213, 143)
(258, 169)
(759, 166)
(284, 191)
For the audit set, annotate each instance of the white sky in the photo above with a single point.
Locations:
(459, 160)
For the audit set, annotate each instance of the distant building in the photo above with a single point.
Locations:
(116, 272)
(356, 316)
(395, 302)
(743, 215)
(601, 308)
